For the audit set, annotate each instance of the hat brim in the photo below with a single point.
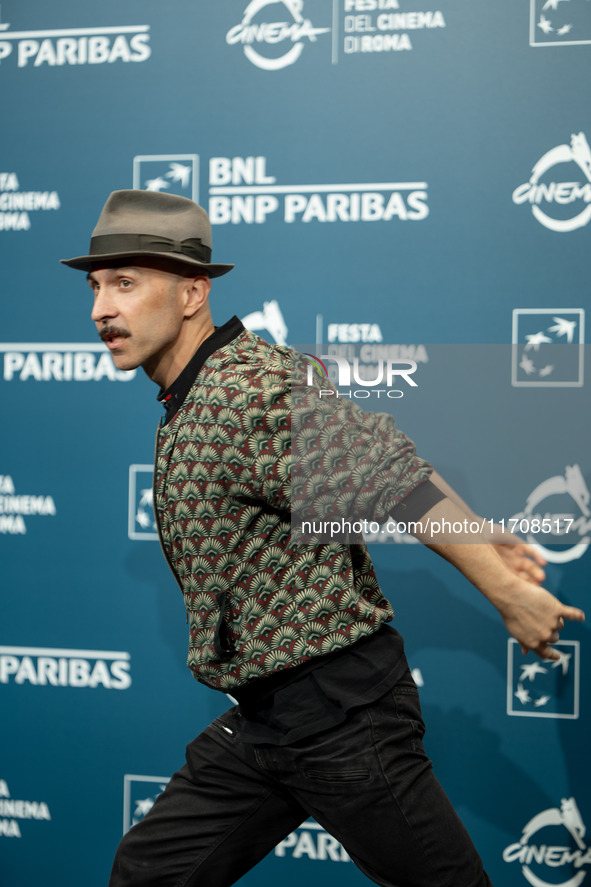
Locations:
(86, 263)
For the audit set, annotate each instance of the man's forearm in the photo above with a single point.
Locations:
(479, 563)
(531, 614)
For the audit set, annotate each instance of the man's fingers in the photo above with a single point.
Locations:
(536, 556)
(532, 571)
(546, 652)
(572, 613)
(537, 574)
(528, 563)
(532, 554)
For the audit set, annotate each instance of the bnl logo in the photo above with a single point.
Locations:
(141, 523)
(548, 349)
(544, 689)
(169, 173)
(139, 796)
(560, 23)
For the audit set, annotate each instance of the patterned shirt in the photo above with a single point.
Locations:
(259, 601)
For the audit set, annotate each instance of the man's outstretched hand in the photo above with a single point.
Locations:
(535, 618)
(509, 575)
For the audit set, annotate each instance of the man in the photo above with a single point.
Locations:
(328, 722)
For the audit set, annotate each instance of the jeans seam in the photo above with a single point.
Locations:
(201, 859)
(417, 723)
(395, 798)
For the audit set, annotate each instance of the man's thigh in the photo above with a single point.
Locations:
(371, 785)
(218, 816)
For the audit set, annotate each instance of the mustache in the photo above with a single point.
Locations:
(113, 332)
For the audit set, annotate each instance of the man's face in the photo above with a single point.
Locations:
(138, 312)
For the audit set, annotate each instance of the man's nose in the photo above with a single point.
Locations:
(104, 307)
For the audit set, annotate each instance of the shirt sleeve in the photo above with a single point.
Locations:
(349, 463)
(418, 502)
(325, 457)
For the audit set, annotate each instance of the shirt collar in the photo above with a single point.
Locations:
(173, 397)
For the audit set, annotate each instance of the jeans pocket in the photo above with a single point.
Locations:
(222, 727)
(408, 709)
(338, 775)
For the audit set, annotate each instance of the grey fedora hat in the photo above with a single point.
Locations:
(149, 223)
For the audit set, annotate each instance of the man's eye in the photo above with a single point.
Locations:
(125, 283)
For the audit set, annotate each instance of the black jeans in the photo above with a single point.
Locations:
(368, 782)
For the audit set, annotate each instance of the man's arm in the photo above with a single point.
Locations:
(532, 615)
(520, 557)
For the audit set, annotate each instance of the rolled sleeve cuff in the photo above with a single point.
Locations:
(418, 502)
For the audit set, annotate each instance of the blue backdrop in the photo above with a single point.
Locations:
(383, 173)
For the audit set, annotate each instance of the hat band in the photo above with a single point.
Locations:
(192, 247)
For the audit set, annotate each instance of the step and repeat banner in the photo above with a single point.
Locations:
(401, 184)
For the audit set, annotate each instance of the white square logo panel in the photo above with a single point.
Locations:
(543, 688)
(548, 349)
(559, 22)
(141, 522)
(168, 173)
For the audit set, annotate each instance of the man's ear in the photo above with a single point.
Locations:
(196, 293)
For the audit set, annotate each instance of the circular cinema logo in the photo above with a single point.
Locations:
(552, 847)
(558, 512)
(272, 37)
(560, 197)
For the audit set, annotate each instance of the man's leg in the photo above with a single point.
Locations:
(218, 816)
(371, 785)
